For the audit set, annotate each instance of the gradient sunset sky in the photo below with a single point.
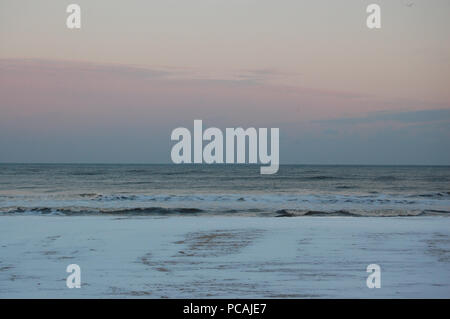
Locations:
(113, 91)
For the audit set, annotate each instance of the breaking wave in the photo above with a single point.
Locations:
(164, 211)
(80, 211)
(362, 213)
(373, 198)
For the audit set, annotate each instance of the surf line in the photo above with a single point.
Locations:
(235, 141)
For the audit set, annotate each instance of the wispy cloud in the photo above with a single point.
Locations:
(266, 75)
(417, 116)
(64, 66)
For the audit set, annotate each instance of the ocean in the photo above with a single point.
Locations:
(169, 231)
(237, 190)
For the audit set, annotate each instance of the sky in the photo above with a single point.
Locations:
(112, 91)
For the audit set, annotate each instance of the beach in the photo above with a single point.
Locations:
(224, 256)
(171, 231)
(228, 150)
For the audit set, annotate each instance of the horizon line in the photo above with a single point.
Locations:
(206, 164)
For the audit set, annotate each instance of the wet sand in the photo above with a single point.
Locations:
(224, 257)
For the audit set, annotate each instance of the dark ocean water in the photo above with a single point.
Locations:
(75, 189)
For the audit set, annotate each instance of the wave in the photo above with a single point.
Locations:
(362, 213)
(100, 197)
(298, 213)
(372, 198)
(87, 173)
(243, 201)
(79, 211)
(88, 195)
(434, 195)
(191, 211)
(321, 177)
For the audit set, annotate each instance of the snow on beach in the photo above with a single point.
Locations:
(229, 257)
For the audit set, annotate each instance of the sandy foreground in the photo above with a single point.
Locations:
(224, 257)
